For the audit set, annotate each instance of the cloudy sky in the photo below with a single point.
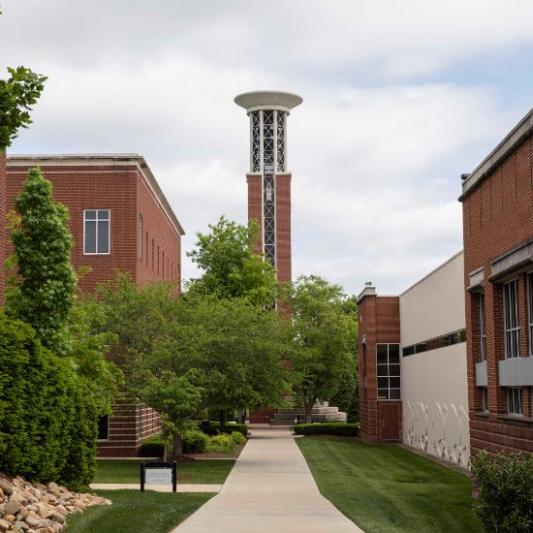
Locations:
(400, 98)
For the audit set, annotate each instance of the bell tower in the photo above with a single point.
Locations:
(269, 180)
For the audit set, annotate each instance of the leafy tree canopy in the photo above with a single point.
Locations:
(324, 333)
(231, 265)
(18, 93)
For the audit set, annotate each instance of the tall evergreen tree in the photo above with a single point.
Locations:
(41, 288)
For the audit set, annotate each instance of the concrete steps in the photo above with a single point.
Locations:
(294, 415)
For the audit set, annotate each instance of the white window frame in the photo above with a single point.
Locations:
(511, 331)
(108, 220)
(514, 401)
(530, 310)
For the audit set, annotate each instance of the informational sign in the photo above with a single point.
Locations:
(158, 473)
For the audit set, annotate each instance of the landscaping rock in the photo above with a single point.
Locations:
(39, 508)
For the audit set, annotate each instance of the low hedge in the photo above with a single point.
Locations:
(152, 447)
(340, 429)
(212, 428)
(504, 484)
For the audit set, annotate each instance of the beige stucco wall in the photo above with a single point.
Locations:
(435, 305)
(434, 383)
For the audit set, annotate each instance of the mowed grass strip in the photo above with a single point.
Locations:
(386, 488)
(136, 512)
(127, 471)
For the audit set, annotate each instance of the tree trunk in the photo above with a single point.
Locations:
(222, 421)
(177, 448)
(309, 411)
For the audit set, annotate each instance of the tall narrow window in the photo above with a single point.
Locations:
(146, 241)
(482, 331)
(514, 401)
(103, 427)
(511, 319)
(158, 260)
(96, 231)
(388, 370)
(530, 310)
(484, 399)
(153, 252)
(141, 237)
(163, 265)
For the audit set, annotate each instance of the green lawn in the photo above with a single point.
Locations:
(127, 471)
(386, 488)
(136, 512)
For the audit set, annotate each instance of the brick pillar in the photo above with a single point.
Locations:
(3, 235)
(255, 203)
(283, 228)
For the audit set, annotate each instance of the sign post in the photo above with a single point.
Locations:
(158, 473)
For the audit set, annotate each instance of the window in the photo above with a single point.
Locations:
(514, 401)
(146, 241)
(103, 427)
(153, 249)
(141, 236)
(484, 399)
(530, 310)
(96, 231)
(482, 331)
(388, 370)
(511, 319)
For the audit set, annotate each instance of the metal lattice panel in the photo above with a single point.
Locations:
(280, 141)
(269, 221)
(268, 140)
(256, 142)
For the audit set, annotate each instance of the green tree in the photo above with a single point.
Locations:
(240, 348)
(323, 339)
(231, 265)
(177, 398)
(41, 290)
(18, 93)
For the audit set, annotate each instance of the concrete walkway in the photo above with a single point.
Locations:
(269, 490)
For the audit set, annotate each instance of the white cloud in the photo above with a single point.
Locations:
(376, 148)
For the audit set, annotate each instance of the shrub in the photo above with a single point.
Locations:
(505, 487)
(47, 412)
(221, 444)
(340, 429)
(153, 447)
(212, 428)
(194, 441)
(238, 438)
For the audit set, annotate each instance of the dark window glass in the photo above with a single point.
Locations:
(90, 237)
(388, 358)
(103, 427)
(394, 353)
(382, 353)
(103, 237)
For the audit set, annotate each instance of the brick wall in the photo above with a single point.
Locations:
(379, 322)
(123, 189)
(497, 216)
(255, 203)
(283, 228)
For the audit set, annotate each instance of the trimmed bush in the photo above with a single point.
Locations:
(48, 414)
(153, 447)
(194, 441)
(505, 487)
(238, 438)
(212, 428)
(221, 444)
(341, 429)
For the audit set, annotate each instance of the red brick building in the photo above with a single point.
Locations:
(380, 405)
(120, 221)
(497, 200)
(3, 185)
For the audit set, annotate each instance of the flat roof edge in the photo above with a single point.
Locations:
(516, 136)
